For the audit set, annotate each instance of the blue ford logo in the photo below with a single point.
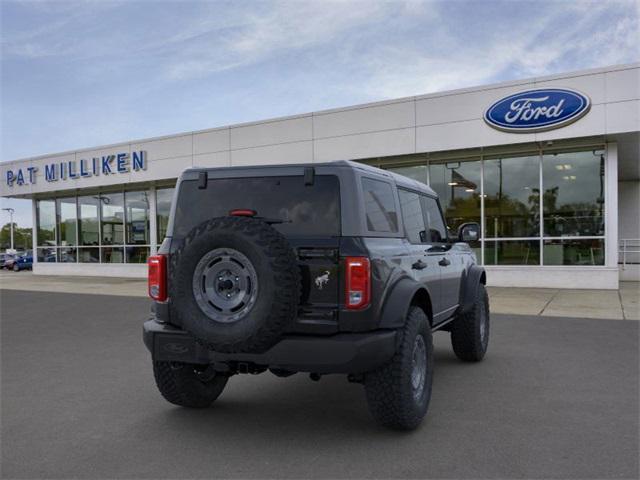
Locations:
(537, 110)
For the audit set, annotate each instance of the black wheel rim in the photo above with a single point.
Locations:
(225, 285)
(418, 367)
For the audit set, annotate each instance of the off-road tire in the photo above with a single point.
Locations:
(467, 337)
(180, 384)
(389, 391)
(279, 284)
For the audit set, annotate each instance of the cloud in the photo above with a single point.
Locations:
(526, 47)
(287, 26)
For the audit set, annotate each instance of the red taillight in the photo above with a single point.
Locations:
(357, 282)
(157, 277)
(242, 212)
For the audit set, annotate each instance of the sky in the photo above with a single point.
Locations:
(87, 73)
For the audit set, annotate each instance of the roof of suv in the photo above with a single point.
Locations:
(400, 180)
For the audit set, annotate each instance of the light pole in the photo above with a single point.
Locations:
(11, 211)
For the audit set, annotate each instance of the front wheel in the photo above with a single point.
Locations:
(470, 331)
(398, 394)
(187, 385)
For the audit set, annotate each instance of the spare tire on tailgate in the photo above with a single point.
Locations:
(235, 284)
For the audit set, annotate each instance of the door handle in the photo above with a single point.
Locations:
(419, 265)
(444, 262)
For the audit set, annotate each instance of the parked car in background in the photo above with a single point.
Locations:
(23, 262)
(7, 261)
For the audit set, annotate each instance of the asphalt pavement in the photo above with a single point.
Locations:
(554, 398)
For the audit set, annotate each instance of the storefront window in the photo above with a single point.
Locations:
(46, 254)
(512, 252)
(458, 187)
(67, 255)
(46, 217)
(112, 220)
(112, 254)
(137, 254)
(574, 252)
(417, 172)
(67, 221)
(89, 255)
(572, 203)
(512, 197)
(163, 208)
(573, 198)
(137, 218)
(88, 221)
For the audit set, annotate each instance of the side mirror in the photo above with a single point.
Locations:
(469, 232)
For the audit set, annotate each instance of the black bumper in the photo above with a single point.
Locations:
(341, 353)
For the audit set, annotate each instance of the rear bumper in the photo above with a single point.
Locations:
(340, 353)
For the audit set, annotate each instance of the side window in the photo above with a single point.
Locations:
(380, 207)
(412, 216)
(437, 232)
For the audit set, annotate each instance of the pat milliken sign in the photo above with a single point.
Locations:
(105, 165)
(537, 110)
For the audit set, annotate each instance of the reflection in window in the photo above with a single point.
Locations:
(573, 198)
(137, 217)
(458, 187)
(67, 255)
(137, 254)
(88, 220)
(46, 255)
(416, 172)
(437, 231)
(412, 216)
(379, 206)
(512, 197)
(163, 208)
(89, 255)
(112, 218)
(112, 254)
(67, 213)
(512, 252)
(574, 252)
(46, 217)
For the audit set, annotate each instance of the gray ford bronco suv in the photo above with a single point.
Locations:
(324, 268)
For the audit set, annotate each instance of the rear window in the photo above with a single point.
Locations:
(307, 210)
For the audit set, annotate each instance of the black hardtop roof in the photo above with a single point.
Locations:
(400, 180)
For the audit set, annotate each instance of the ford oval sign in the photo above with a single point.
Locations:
(537, 110)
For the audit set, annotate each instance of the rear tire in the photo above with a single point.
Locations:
(470, 331)
(180, 384)
(398, 394)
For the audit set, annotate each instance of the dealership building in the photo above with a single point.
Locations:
(549, 166)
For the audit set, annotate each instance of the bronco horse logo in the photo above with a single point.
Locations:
(322, 280)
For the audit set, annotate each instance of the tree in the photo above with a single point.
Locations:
(21, 237)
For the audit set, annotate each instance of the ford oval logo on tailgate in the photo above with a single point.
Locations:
(537, 110)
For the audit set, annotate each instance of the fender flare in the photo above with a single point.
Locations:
(396, 307)
(475, 276)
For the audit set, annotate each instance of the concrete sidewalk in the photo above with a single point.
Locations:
(623, 304)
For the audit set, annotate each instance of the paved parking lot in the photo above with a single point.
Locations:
(554, 398)
(623, 304)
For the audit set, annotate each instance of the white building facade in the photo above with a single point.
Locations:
(550, 167)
